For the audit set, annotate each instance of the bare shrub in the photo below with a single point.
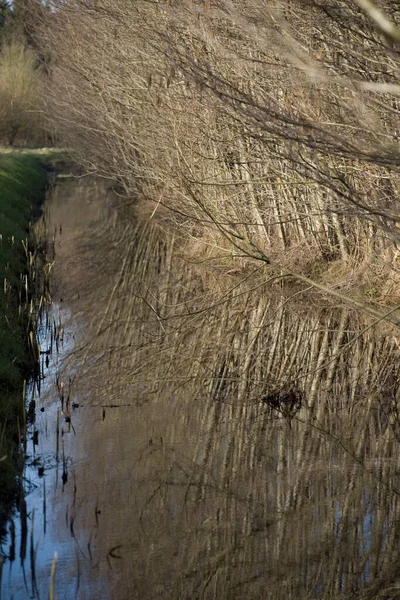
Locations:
(250, 128)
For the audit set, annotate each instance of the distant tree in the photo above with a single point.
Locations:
(5, 17)
(22, 10)
(5, 12)
(19, 21)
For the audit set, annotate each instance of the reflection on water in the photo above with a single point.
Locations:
(227, 443)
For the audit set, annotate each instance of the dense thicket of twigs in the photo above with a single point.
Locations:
(258, 128)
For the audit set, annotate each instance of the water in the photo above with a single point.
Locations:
(227, 444)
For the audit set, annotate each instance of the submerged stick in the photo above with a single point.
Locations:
(58, 433)
(24, 413)
(52, 577)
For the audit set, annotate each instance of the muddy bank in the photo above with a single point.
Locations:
(213, 446)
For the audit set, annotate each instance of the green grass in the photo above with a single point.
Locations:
(22, 182)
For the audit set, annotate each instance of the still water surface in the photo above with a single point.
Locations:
(250, 450)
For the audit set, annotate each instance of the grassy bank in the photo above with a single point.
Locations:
(22, 182)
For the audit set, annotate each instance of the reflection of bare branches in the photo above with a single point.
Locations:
(238, 493)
